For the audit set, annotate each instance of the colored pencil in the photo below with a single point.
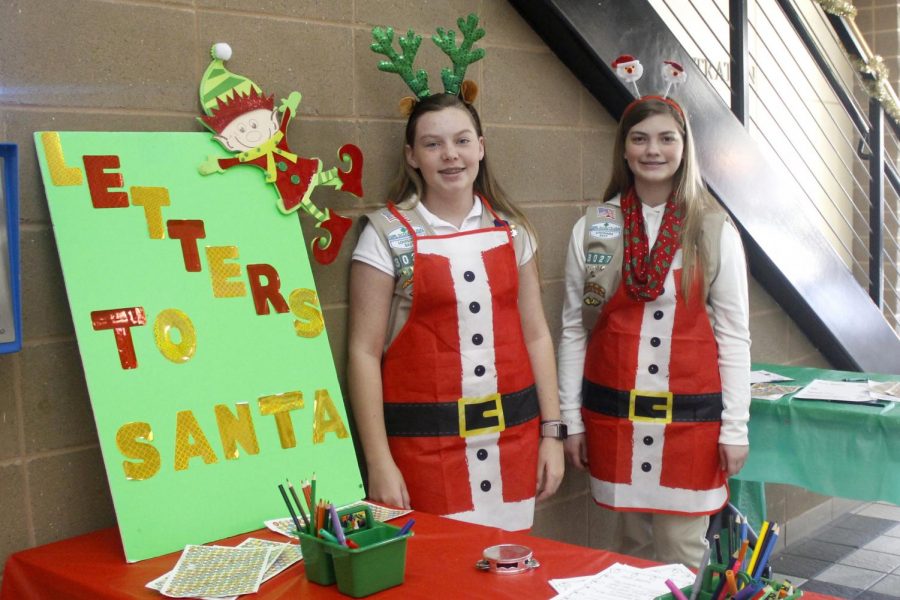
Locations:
(299, 505)
(757, 548)
(290, 508)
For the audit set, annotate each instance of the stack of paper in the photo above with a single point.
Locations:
(857, 392)
(623, 582)
(225, 572)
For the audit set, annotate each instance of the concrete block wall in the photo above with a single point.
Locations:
(105, 65)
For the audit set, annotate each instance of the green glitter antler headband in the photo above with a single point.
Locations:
(464, 55)
(461, 56)
(401, 64)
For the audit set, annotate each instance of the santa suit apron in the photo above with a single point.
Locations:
(652, 404)
(460, 404)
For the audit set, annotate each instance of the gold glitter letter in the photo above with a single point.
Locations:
(187, 427)
(326, 418)
(236, 429)
(60, 174)
(128, 439)
(221, 272)
(304, 304)
(184, 350)
(152, 199)
(281, 406)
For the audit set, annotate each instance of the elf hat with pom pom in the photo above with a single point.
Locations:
(218, 83)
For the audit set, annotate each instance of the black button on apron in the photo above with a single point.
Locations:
(477, 339)
(658, 315)
(479, 370)
(653, 369)
(644, 467)
(474, 307)
(655, 342)
(648, 441)
(485, 486)
(469, 275)
(482, 454)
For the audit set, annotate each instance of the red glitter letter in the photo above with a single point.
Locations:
(121, 320)
(99, 182)
(269, 291)
(188, 232)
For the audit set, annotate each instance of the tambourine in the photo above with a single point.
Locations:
(507, 559)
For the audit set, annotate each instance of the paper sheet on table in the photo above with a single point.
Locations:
(838, 391)
(885, 390)
(771, 391)
(623, 582)
(766, 377)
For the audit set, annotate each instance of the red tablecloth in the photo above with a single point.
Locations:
(441, 560)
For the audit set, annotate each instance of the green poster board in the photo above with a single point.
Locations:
(208, 366)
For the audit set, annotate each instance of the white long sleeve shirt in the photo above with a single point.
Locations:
(728, 307)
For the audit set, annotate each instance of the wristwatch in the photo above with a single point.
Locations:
(554, 429)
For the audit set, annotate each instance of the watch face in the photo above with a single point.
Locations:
(554, 430)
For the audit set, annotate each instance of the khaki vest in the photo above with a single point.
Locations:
(603, 250)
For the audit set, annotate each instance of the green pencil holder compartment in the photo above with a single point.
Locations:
(319, 565)
(711, 582)
(378, 564)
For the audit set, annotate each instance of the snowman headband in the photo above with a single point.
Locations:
(461, 57)
(629, 70)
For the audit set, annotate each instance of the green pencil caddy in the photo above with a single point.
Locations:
(711, 576)
(319, 566)
(378, 564)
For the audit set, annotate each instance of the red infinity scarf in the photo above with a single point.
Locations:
(645, 270)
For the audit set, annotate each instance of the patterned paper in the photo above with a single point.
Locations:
(217, 571)
(287, 554)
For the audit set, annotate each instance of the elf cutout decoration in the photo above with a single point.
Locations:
(247, 123)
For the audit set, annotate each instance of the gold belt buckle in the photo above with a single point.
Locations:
(667, 407)
(495, 411)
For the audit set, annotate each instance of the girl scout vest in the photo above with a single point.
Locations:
(460, 404)
(651, 397)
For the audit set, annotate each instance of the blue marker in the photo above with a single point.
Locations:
(405, 529)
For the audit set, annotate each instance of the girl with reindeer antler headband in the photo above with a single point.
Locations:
(452, 377)
(654, 357)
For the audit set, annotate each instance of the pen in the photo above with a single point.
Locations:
(406, 527)
(855, 379)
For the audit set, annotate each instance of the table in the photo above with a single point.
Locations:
(440, 564)
(829, 448)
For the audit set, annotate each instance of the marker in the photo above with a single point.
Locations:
(718, 543)
(327, 535)
(336, 525)
(676, 592)
(406, 527)
(351, 544)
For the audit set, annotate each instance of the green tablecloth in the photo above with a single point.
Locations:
(829, 448)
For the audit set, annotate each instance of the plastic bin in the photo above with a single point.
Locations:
(711, 582)
(378, 564)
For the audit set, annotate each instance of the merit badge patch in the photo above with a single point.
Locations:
(606, 230)
(594, 294)
(400, 238)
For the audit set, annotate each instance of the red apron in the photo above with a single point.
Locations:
(652, 404)
(460, 403)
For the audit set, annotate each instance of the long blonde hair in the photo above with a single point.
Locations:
(690, 192)
(409, 187)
